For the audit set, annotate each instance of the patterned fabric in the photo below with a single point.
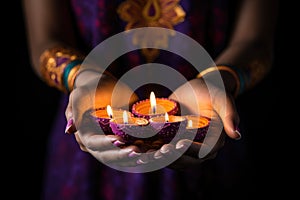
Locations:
(72, 174)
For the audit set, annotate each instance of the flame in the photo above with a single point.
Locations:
(166, 117)
(109, 111)
(190, 123)
(125, 117)
(153, 102)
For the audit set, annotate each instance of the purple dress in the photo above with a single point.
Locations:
(72, 174)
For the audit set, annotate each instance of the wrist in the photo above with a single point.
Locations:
(59, 67)
(85, 77)
(232, 78)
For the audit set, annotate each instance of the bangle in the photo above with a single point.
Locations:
(237, 75)
(70, 73)
(59, 66)
(242, 79)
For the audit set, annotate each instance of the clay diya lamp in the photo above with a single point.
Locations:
(168, 126)
(104, 115)
(131, 128)
(154, 107)
(197, 127)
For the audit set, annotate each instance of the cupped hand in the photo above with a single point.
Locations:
(108, 149)
(203, 98)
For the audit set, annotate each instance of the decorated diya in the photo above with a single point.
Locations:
(197, 127)
(153, 107)
(130, 128)
(104, 114)
(168, 126)
(136, 131)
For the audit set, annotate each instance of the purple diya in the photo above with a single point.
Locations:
(197, 127)
(167, 127)
(132, 129)
(104, 115)
(145, 110)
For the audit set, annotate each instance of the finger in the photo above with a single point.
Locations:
(188, 147)
(192, 149)
(229, 116)
(99, 142)
(117, 156)
(167, 149)
(167, 153)
(231, 127)
(82, 147)
(147, 157)
(70, 126)
(68, 111)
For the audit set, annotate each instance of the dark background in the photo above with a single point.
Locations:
(265, 111)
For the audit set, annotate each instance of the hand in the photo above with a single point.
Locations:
(84, 98)
(199, 97)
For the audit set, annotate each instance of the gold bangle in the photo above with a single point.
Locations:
(53, 63)
(223, 68)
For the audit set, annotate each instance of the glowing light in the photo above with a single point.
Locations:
(153, 102)
(190, 123)
(109, 111)
(125, 117)
(166, 117)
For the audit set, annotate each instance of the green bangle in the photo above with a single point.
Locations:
(68, 76)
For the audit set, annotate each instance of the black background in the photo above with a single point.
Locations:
(267, 112)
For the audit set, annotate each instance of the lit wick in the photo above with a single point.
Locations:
(190, 123)
(125, 117)
(166, 117)
(153, 102)
(109, 111)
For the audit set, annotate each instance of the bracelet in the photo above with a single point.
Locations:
(237, 75)
(70, 72)
(59, 66)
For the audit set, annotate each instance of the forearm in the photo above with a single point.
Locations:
(253, 60)
(250, 49)
(48, 24)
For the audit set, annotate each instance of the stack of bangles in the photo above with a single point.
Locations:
(237, 74)
(59, 67)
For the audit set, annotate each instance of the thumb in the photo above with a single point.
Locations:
(70, 127)
(231, 126)
(230, 119)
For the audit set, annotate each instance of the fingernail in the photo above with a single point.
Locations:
(164, 150)
(118, 143)
(134, 154)
(181, 146)
(69, 125)
(157, 156)
(111, 139)
(139, 162)
(237, 131)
